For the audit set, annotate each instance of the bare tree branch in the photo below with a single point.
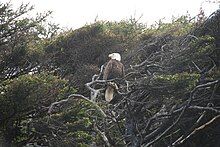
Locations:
(79, 97)
(198, 129)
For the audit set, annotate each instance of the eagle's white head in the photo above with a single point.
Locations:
(115, 56)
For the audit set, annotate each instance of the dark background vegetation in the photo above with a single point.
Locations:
(170, 95)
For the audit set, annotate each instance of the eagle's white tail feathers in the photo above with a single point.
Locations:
(109, 92)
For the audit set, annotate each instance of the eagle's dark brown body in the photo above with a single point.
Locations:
(113, 69)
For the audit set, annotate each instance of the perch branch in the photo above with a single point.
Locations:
(79, 97)
(102, 134)
(199, 129)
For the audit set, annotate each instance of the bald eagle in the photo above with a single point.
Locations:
(113, 69)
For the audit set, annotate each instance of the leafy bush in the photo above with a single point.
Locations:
(24, 99)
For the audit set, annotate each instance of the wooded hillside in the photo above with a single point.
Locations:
(52, 92)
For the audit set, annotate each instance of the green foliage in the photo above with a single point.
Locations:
(128, 31)
(83, 46)
(204, 45)
(23, 98)
(178, 27)
(22, 39)
(74, 122)
(180, 81)
(91, 43)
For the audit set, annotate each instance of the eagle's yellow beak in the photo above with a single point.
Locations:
(110, 55)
